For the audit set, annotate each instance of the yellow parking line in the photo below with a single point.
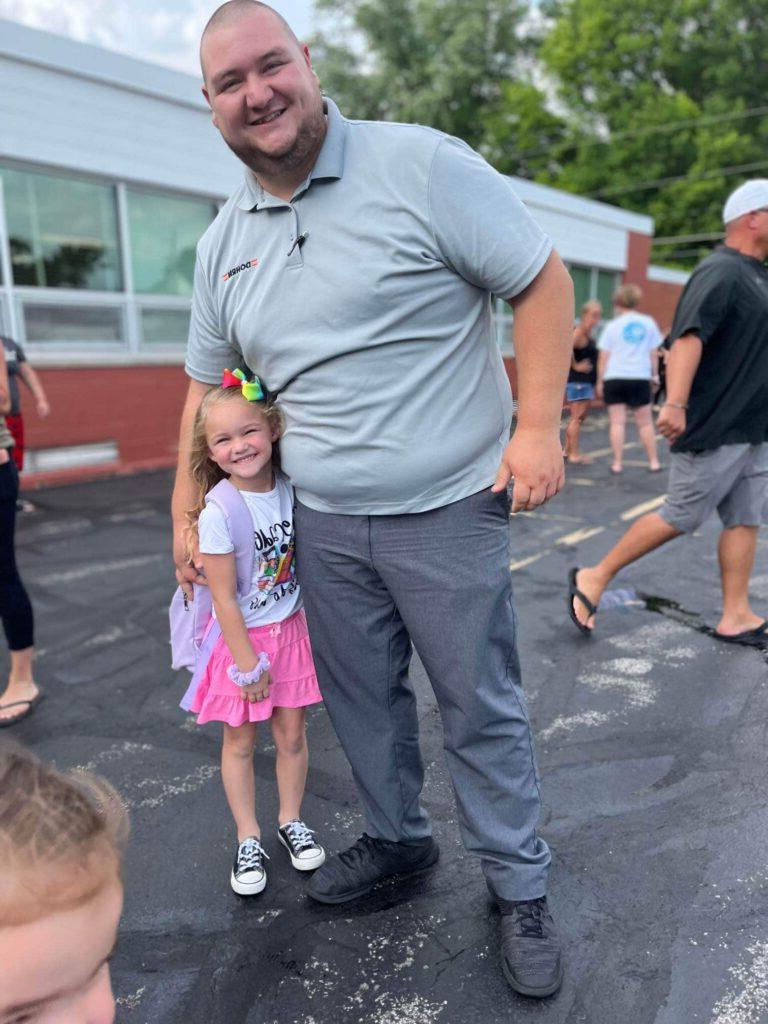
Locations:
(609, 451)
(642, 508)
(578, 535)
(521, 564)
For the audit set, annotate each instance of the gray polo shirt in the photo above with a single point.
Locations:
(378, 325)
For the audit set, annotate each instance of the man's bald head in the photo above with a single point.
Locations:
(231, 12)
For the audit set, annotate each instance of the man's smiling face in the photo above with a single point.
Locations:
(263, 93)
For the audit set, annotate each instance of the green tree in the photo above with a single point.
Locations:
(666, 106)
(458, 65)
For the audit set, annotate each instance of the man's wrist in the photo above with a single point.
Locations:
(677, 405)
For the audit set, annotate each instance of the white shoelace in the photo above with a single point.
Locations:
(249, 855)
(301, 837)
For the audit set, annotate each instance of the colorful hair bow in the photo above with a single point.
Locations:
(253, 390)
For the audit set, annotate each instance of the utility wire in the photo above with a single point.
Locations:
(668, 126)
(707, 236)
(644, 186)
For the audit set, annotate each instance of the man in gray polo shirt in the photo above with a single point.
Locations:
(353, 271)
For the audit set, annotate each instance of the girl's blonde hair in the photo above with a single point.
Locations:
(204, 471)
(61, 837)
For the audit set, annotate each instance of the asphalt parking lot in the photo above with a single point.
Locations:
(651, 739)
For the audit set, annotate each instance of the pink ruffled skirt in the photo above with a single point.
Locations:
(294, 683)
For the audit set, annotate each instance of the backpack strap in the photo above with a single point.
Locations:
(228, 499)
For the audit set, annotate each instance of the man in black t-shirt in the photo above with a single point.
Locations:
(716, 416)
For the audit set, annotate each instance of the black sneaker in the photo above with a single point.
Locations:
(304, 850)
(531, 957)
(354, 872)
(249, 876)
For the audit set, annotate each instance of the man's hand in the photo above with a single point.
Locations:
(257, 691)
(534, 460)
(671, 422)
(188, 571)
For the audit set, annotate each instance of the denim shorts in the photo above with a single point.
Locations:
(577, 392)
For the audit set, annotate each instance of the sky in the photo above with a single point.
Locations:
(164, 31)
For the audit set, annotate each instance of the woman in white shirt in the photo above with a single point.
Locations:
(628, 363)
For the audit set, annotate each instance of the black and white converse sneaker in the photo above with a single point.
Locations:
(304, 850)
(248, 873)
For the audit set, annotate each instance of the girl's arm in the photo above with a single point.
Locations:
(602, 366)
(32, 381)
(222, 579)
(221, 575)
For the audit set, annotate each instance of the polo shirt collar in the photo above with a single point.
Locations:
(329, 165)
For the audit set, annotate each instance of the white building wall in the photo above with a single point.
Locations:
(137, 123)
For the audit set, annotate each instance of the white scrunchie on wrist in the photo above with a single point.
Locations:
(246, 678)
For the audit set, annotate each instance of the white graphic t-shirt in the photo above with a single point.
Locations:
(275, 591)
(630, 339)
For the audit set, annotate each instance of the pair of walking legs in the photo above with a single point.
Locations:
(736, 556)
(578, 413)
(617, 418)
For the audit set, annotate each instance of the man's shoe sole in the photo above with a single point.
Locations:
(400, 876)
(525, 990)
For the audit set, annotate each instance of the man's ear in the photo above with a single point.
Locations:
(208, 101)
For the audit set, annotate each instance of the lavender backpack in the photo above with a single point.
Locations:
(194, 631)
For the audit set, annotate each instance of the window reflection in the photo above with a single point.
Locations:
(164, 235)
(62, 232)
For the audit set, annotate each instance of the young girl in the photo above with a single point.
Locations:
(261, 666)
(60, 892)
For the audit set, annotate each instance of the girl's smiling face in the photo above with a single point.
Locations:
(55, 969)
(240, 441)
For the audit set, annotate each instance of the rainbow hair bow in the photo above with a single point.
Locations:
(253, 390)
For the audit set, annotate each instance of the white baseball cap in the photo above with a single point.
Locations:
(752, 195)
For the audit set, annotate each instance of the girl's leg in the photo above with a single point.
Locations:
(647, 432)
(578, 411)
(292, 759)
(238, 777)
(617, 416)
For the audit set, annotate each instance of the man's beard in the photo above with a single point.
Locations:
(307, 145)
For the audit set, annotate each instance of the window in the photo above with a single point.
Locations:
(607, 283)
(582, 286)
(62, 231)
(98, 325)
(164, 326)
(164, 232)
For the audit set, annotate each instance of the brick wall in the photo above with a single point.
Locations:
(137, 407)
(659, 298)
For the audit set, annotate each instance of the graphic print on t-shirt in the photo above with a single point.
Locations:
(275, 572)
(634, 332)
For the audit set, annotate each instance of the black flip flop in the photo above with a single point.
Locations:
(31, 705)
(757, 637)
(574, 592)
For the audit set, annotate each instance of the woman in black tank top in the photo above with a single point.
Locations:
(580, 389)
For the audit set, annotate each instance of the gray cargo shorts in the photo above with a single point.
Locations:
(732, 479)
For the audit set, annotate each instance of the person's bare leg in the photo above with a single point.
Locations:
(291, 761)
(647, 432)
(617, 416)
(21, 683)
(646, 534)
(578, 412)
(238, 777)
(736, 555)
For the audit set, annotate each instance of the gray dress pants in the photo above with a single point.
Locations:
(440, 579)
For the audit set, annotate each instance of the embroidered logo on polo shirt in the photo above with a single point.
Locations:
(248, 265)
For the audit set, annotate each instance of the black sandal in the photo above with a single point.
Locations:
(574, 592)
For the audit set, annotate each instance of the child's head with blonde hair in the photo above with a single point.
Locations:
(61, 840)
(205, 471)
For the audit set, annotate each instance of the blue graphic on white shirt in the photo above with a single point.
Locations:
(634, 332)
